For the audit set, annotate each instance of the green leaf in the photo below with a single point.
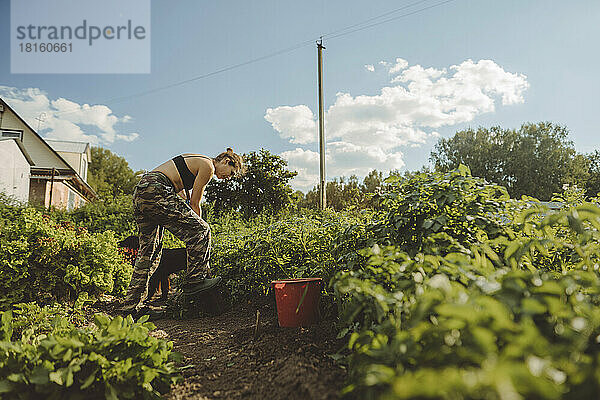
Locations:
(7, 326)
(39, 376)
(302, 299)
(353, 338)
(461, 311)
(511, 249)
(533, 306)
(5, 386)
(110, 392)
(69, 377)
(485, 338)
(16, 377)
(101, 320)
(549, 287)
(89, 380)
(464, 170)
(427, 223)
(56, 377)
(115, 325)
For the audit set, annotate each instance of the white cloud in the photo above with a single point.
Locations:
(368, 131)
(346, 158)
(306, 163)
(370, 67)
(62, 119)
(399, 66)
(418, 74)
(130, 137)
(341, 158)
(294, 123)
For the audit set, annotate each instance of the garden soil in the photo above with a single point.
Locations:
(227, 361)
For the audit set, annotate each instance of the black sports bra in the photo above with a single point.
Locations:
(184, 172)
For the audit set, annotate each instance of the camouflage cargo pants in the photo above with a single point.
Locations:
(156, 207)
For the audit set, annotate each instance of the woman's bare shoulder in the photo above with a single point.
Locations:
(194, 156)
(199, 161)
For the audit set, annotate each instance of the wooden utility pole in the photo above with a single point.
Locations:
(322, 186)
(51, 187)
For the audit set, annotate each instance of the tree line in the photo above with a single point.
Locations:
(537, 159)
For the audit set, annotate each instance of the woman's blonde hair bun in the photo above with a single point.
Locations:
(240, 167)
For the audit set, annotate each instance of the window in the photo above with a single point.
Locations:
(11, 134)
(71, 203)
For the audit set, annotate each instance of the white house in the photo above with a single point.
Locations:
(77, 154)
(15, 170)
(55, 177)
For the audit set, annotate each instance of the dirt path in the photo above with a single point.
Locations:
(282, 363)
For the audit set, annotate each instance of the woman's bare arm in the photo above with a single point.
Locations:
(205, 174)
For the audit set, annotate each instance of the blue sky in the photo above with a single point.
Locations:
(464, 63)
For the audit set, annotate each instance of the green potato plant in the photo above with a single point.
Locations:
(471, 310)
(114, 358)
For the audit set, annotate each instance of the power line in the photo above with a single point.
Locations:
(224, 69)
(390, 19)
(375, 18)
(331, 35)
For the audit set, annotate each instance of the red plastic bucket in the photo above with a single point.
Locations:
(297, 301)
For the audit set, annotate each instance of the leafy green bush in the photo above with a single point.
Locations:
(31, 319)
(479, 318)
(113, 358)
(10, 208)
(450, 332)
(313, 244)
(454, 203)
(43, 260)
(115, 214)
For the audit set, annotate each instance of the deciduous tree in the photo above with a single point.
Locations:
(264, 188)
(536, 159)
(110, 175)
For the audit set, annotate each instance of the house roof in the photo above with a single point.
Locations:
(34, 132)
(65, 174)
(68, 146)
(90, 193)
